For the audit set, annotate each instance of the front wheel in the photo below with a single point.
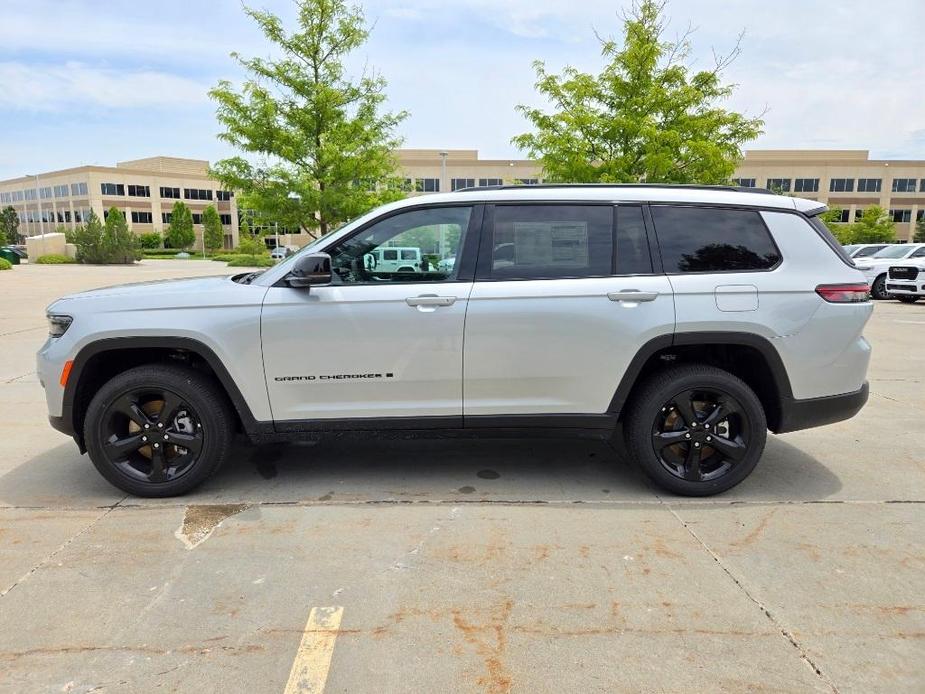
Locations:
(158, 430)
(908, 299)
(696, 430)
(878, 288)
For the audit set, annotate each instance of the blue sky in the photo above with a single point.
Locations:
(93, 83)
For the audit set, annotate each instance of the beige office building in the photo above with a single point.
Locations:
(145, 190)
(847, 179)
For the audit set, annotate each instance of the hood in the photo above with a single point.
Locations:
(194, 293)
(159, 287)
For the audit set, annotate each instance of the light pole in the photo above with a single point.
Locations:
(38, 199)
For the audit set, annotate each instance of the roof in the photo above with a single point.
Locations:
(717, 195)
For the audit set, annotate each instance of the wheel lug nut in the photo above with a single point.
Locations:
(709, 438)
(687, 436)
(160, 426)
(696, 445)
(147, 426)
(166, 437)
(144, 438)
(157, 445)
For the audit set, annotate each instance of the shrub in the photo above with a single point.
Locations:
(226, 257)
(251, 261)
(180, 233)
(5, 264)
(54, 259)
(101, 245)
(150, 241)
(252, 245)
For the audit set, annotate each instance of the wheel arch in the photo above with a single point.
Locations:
(99, 361)
(751, 357)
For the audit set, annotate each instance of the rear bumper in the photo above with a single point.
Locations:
(817, 412)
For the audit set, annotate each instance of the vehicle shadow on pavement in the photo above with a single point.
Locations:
(409, 471)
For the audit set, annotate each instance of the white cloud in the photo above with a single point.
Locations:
(40, 87)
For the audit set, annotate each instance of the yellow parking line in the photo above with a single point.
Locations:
(313, 659)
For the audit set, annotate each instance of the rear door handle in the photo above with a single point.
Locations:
(430, 300)
(632, 295)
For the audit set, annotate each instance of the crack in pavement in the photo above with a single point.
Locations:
(63, 546)
(784, 631)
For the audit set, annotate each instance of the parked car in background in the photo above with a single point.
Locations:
(280, 253)
(393, 259)
(906, 282)
(864, 250)
(876, 266)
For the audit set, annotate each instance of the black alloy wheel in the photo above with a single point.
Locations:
(151, 435)
(158, 430)
(695, 429)
(700, 434)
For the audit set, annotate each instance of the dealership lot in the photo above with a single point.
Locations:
(484, 566)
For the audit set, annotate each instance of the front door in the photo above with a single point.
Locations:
(384, 340)
(563, 300)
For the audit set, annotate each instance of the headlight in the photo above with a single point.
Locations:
(58, 324)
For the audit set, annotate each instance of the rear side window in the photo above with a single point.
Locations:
(631, 255)
(550, 241)
(703, 239)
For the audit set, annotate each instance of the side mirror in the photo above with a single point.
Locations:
(314, 268)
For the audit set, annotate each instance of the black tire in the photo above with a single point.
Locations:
(906, 299)
(657, 416)
(199, 417)
(878, 288)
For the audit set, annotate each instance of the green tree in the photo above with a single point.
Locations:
(647, 116)
(180, 232)
(832, 219)
(213, 236)
(89, 241)
(324, 147)
(118, 242)
(874, 226)
(919, 236)
(9, 225)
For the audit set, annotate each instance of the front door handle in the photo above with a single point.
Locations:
(632, 295)
(430, 300)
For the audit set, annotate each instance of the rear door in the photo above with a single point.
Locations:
(564, 297)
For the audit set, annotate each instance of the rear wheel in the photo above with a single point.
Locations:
(158, 430)
(908, 299)
(878, 288)
(696, 430)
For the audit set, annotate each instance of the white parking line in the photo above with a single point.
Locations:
(911, 322)
(313, 659)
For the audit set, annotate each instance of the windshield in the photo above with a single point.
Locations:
(898, 251)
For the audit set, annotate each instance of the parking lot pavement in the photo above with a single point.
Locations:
(483, 566)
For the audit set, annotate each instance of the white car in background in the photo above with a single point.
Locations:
(864, 250)
(906, 282)
(875, 267)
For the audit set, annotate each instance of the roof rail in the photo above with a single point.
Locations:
(688, 186)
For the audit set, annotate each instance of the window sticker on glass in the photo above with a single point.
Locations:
(550, 243)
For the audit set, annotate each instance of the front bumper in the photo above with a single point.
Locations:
(817, 412)
(916, 288)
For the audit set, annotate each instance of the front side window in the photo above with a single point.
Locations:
(702, 239)
(551, 241)
(415, 246)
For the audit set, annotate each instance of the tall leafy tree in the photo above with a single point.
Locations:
(919, 236)
(89, 241)
(317, 147)
(874, 226)
(118, 241)
(213, 236)
(647, 116)
(9, 225)
(180, 232)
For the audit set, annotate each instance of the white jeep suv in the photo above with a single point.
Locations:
(690, 318)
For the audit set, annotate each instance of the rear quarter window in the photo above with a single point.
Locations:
(704, 239)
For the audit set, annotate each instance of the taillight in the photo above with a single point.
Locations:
(844, 293)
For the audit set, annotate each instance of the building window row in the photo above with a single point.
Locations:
(779, 185)
(79, 189)
(806, 185)
(744, 182)
(226, 219)
(139, 191)
(112, 189)
(223, 195)
(197, 194)
(460, 183)
(841, 185)
(142, 217)
(900, 216)
(61, 191)
(837, 185)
